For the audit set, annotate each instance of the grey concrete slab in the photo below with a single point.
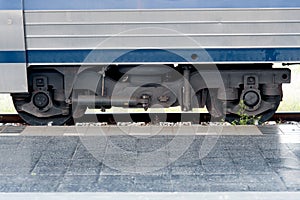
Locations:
(153, 183)
(93, 142)
(278, 153)
(79, 179)
(152, 144)
(290, 178)
(246, 153)
(116, 183)
(125, 161)
(82, 153)
(40, 183)
(187, 183)
(44, 170)
(219, 166)
(184, 155)
(153, 171)
(17, 161)
(76, 188)
(221, 178)
(220, 169)
(77, 183)
(295, 148)
(10, 142)
(226, 187)
(284, 163)
(156, 163)
(64, 153)
(271, 142)
(12, 170)
(266, 187)
(10, 187)
(153, 159)
(227, 130)
(272, 177)
(154, 195)
(187, 170)
(2, 127)
(112, 171)
(270, 129)
(214, 151)
(290, 138)
(290, 129)
(10, 130)
(125, 143)
(252, 166)
(164, 186)
(51, 166)
(84, 167)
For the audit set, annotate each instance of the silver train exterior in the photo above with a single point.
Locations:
(40, 38)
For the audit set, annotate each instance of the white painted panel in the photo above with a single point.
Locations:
(11, 30)
(13, 78)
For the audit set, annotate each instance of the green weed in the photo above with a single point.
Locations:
(244, 118)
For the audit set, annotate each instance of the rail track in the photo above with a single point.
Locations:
(152, 117)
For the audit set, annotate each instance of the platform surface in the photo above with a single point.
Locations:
(167, 159)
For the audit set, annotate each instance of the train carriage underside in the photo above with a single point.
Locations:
(144, 55)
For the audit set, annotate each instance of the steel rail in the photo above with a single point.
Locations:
(150, 117)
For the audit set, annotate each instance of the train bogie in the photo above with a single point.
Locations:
(57, 94)
(60, 57)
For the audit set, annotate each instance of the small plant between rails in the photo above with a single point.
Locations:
(244, 118)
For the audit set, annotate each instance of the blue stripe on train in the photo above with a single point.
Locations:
(154, 4)
(153, 55)
(142, 4)
(11, 4)
(156, 55)
(12, 57)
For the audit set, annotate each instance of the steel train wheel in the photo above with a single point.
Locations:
(36, 121)
(40, 121)
(215, 107)
(267, 115)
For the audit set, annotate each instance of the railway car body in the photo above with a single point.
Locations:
(59, 57)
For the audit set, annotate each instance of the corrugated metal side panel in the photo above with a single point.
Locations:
(131, 29)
